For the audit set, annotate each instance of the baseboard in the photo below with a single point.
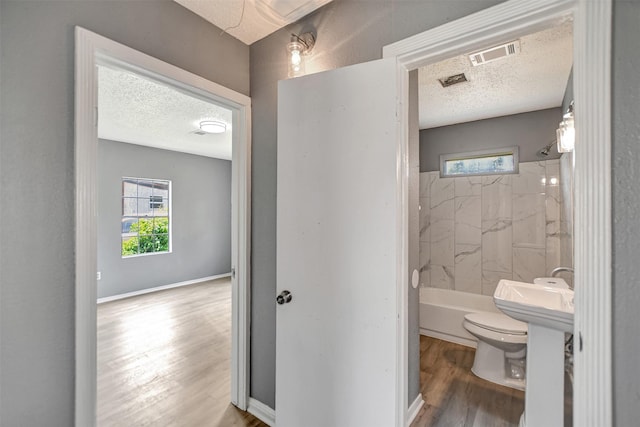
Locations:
(413, 410)
(451, 338)
(268, 415)
(262, 412)
(162, 288)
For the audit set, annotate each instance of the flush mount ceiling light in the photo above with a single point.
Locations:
(566, 133)
(297, 48)
(213, 126)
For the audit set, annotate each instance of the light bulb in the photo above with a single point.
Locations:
(295, 57)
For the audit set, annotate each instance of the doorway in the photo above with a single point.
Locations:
(483, 221)
(93, 50)
(592, 53)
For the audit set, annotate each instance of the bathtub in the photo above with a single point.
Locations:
(442, 313)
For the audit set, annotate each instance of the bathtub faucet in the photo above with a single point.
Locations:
(557, 270)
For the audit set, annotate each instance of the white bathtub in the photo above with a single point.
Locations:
(442, 313)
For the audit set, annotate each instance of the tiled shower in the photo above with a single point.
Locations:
(475, 231)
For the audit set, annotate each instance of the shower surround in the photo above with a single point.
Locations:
(475, 231)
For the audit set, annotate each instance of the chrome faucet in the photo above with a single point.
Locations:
(557, 270)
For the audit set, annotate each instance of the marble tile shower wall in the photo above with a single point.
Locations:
(475, 231)
(566, 214)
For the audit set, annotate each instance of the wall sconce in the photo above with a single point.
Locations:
(566, 133)
(299, 47)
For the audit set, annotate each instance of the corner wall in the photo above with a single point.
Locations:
(200, 217)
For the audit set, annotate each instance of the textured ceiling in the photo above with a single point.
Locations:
(532, 80)
(136, 110)
(251, 20)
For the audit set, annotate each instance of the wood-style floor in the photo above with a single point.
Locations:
(454, 397)
(164, 359)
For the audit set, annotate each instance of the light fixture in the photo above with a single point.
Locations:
(566, 133)
(299, 47)
(213, 126)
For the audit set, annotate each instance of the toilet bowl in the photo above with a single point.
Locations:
(502, 348)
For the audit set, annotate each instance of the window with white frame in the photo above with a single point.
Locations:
(145, 216)
(486, 162)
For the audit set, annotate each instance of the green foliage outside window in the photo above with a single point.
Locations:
(153, 236)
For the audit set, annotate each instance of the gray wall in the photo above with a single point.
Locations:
(626, 205)
(530, 131)
(200, 217)
(37, 300)
(349, 32)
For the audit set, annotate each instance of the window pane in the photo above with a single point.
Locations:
(129, 226)
(144, 207)
(160, 206)
(161, 225)
(145, 188)
(154, 243)
(145, 225)
(161, 188)
(479, 165)
(129, 246)
(486, 162)
(130, 187)
(129, 206)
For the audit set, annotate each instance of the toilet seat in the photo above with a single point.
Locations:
(497, 322)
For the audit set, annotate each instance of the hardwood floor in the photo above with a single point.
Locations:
(454, 397)
(164, 359)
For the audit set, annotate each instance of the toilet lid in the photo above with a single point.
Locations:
(497, 322)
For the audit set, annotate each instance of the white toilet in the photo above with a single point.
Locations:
(502, 348)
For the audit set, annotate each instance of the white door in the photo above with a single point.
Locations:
(337, 222)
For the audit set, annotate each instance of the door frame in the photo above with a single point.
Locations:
(91, 50)
(592, 92)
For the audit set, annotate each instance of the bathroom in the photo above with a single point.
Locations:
(483, 226)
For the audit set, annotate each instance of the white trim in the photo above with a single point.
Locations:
(592, 392)
(262, 412)
(402, 247)
(92, 49)
(592, 81)
(160, 288)
(414, 409)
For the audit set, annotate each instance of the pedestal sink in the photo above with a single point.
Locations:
(549, 314)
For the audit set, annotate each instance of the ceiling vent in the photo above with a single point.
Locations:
(453, 80)
(495, 53)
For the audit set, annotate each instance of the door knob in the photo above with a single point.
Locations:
(284, 297)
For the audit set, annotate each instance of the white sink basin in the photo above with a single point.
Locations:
(541, 305)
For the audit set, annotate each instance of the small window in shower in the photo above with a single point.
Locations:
(486, 162)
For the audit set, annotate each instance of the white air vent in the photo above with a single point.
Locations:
(495, 53)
